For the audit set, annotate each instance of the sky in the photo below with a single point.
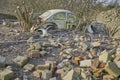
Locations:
(107, 1)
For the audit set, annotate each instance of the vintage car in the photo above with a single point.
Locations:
(56, 18)
(63, 19)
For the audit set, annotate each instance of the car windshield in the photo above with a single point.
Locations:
(46, 14)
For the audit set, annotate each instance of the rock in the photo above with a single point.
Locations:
(117, 58)
(108, 77)
(52, 65)
(76, 60)
(21, 60)
(29, 67)
(112, 69)
(118, 50)
(77, 70)
(46, 44)
(43, 67)
(85, 63)
(32, 47)
(2, 61)
(95, 62)
(54, 78)
(37, 45)
(9, 67)
(68, 51)
(37, 73)
(17, 79)
(71, 75)
(46, 75)
(60, 71)
(31, 40)
(85, 74)
(34, 53)
(6, 74)
(82, 46)
(43, 53)
(118, 64)
(103, 56)
(95, 44)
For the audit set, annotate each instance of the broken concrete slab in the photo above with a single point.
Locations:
(6, 74)
(29, 67)
(118, 64)
(103, 56)
(108, 77)
(37, 73)
(52, 65)
(95, 62)
(85, 63)
(95, 44)
(46, 75)
(43, 67)
(112, 69)
(71, 75)
(34, 53)
(20, 60)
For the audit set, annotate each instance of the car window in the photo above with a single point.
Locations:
(60, 16)
(70, 16)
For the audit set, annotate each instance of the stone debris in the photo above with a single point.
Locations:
(112, 69)
(54, 78)
(34, 54)
(103, 56)
(29, 67)
(43, 67)
(66, 58)
(6, 74)
(20, 60)
(46, 75)
(37, 73)
(85, 63)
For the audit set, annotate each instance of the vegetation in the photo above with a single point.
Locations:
(24, 15)
(86, 10)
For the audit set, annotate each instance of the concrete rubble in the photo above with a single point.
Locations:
(74, 58)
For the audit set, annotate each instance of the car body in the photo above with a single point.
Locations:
(59, 18)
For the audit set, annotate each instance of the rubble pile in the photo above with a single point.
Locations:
(65, 58)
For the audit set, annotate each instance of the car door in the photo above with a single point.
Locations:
(60, 19)
(71, 19)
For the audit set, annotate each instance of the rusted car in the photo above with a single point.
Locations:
(56, 18)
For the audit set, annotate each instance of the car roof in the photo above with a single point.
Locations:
(46, 14)
(59, 10)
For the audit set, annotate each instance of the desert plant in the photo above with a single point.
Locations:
(24, 16)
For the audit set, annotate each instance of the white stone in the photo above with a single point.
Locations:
(85, 63)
